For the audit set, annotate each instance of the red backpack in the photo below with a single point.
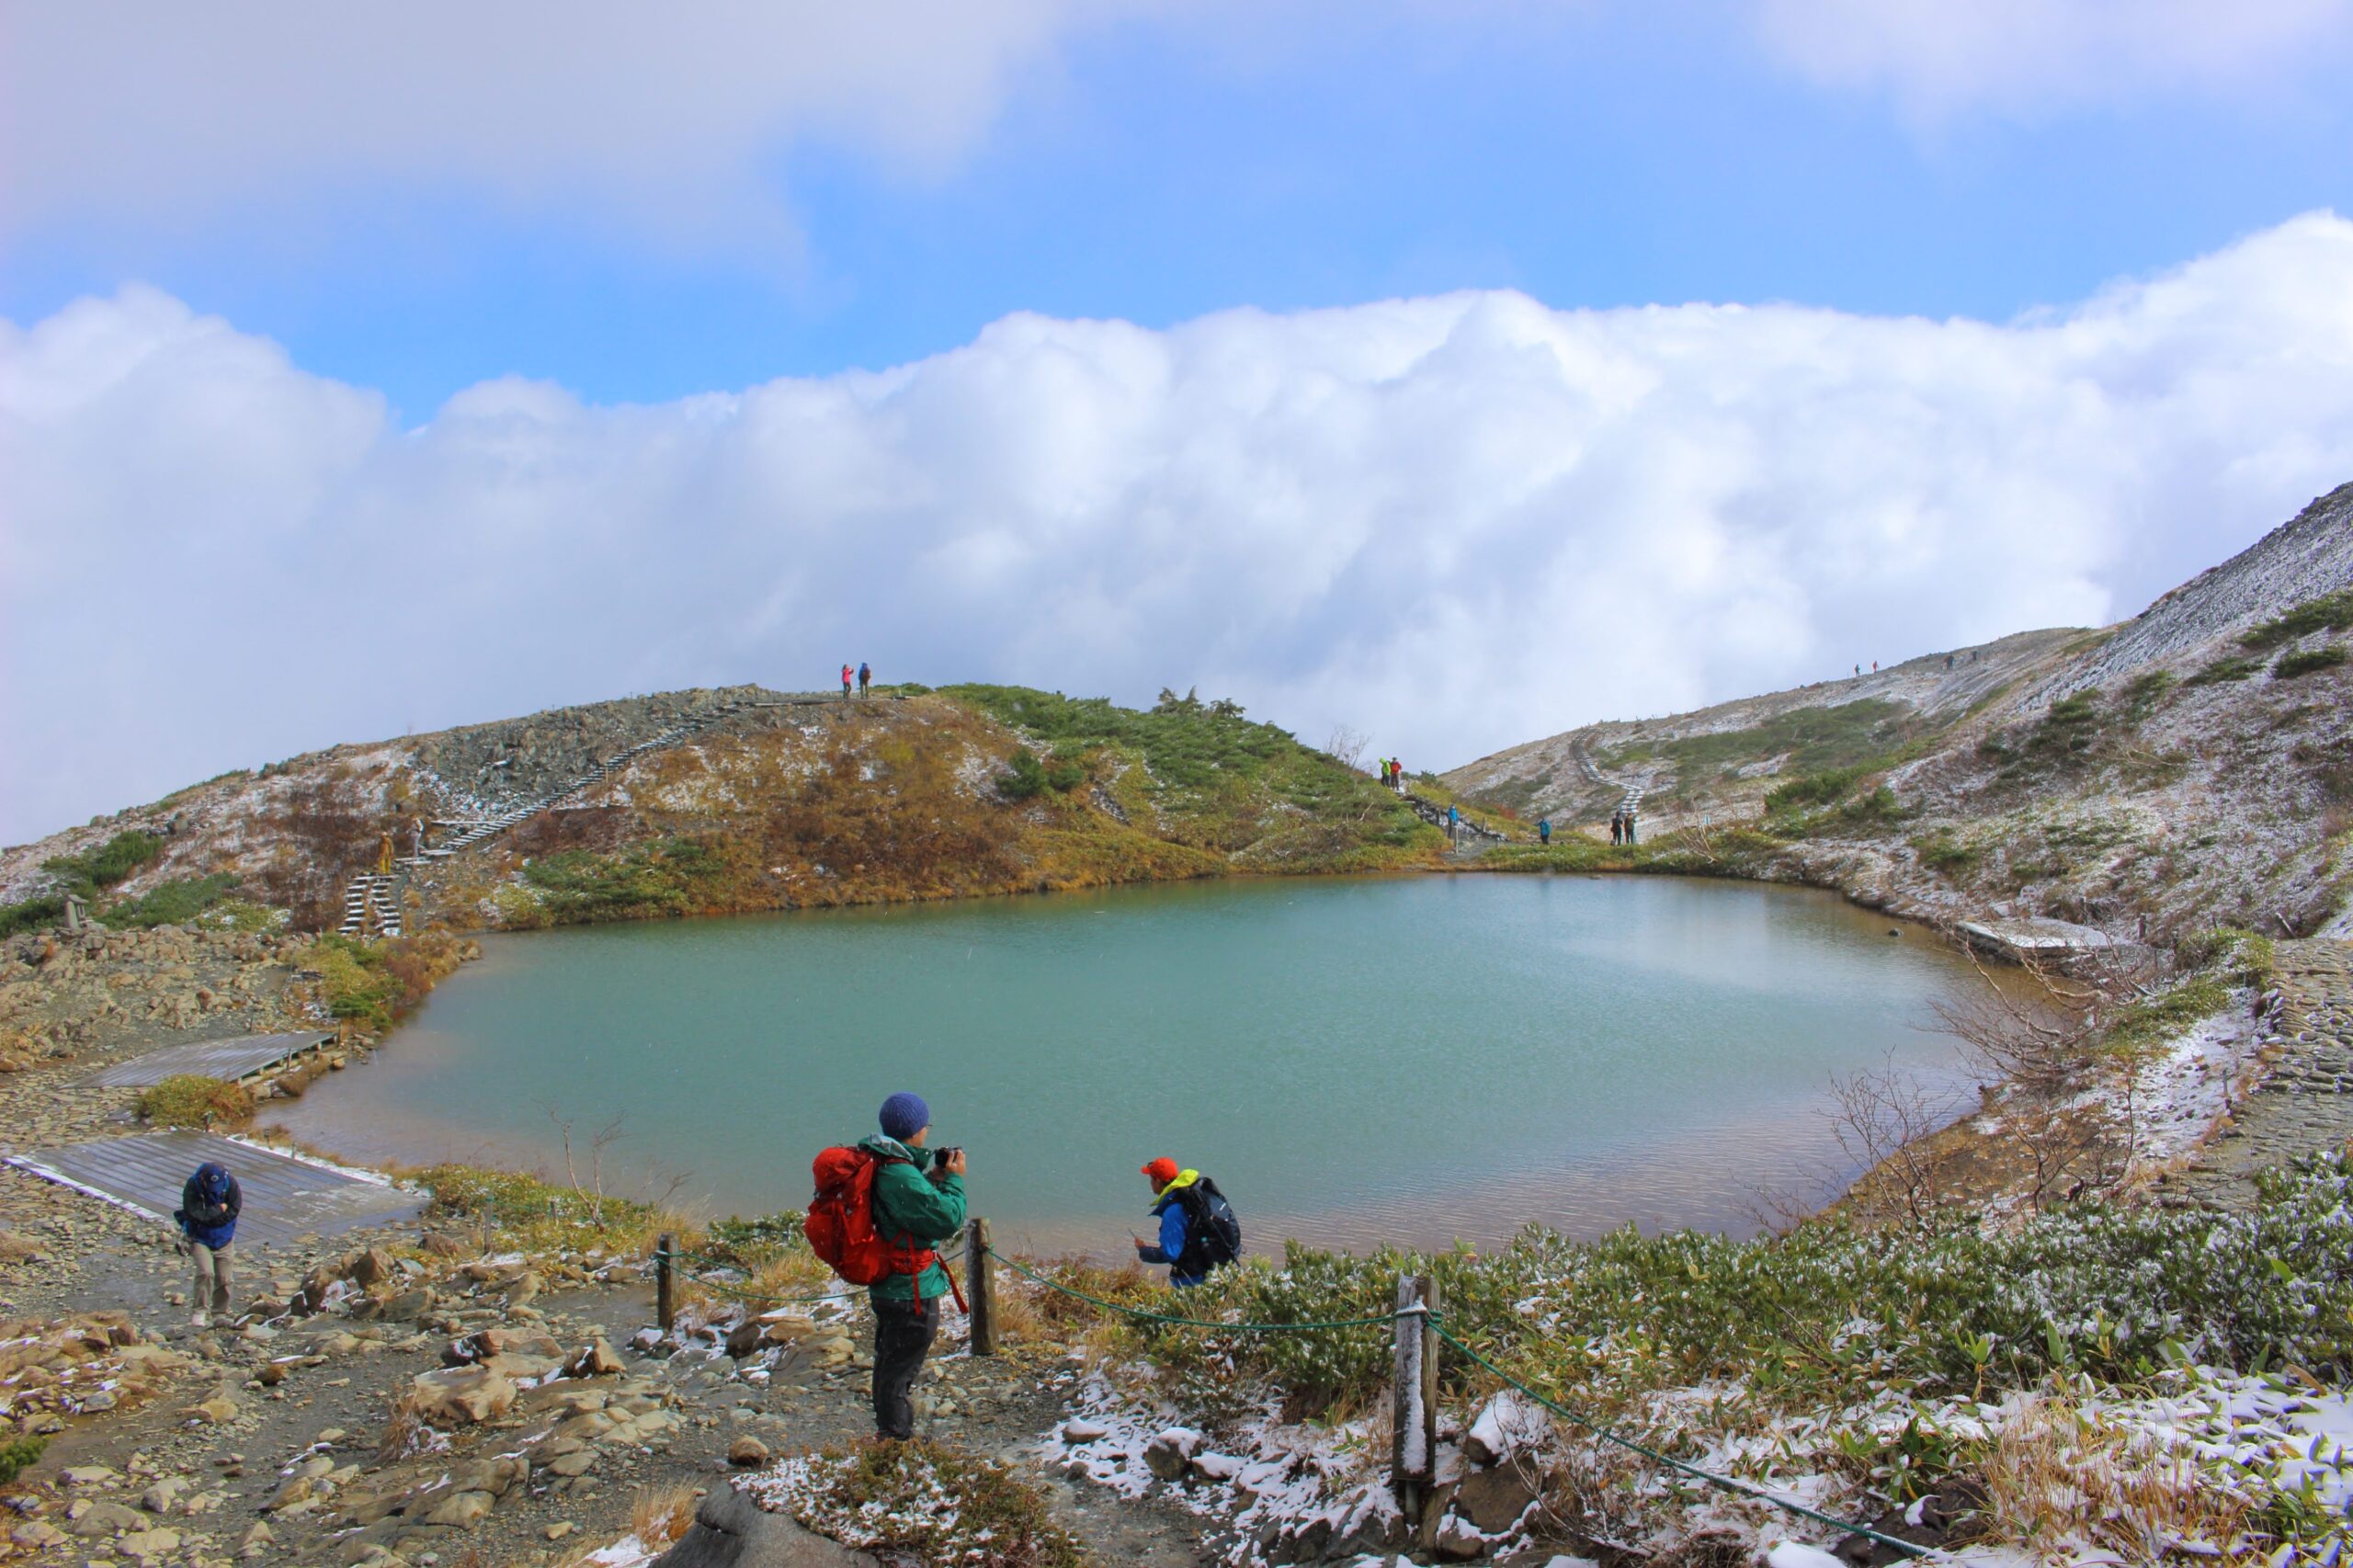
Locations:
(840, 1225)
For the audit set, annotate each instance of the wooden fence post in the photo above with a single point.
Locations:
(662, 1306)
(979, 1277)
(1414, 1433)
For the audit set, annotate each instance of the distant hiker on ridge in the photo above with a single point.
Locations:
(209, 1204)
(1544, 831)
(1629, 824)
(880, 1210)
(1454, 824)
(865, 674)
(384, 852)
(1616, 827)
(845, 675)
(1199, 1231)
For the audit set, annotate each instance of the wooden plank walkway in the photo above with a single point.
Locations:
(238, 1056)
(286, 1197)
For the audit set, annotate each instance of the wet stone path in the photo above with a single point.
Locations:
(2305, 1105)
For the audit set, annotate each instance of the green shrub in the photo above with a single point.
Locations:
(923, 1502)
(31, 915)
(670, 876)
(174, 902)
(191, 1099)
(1943, 1308)
(359, 986)
(17, 1456)
(2325, 657)
(1945, 851)
(1814, 790)
(1031, 776)
(2330, 612)
(2229, 667)
(2144, 691)
(107, 864)
(754, 1241)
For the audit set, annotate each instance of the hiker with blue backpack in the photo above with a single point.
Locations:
(880, 1211)
(1199, 1230)
(209, 1204)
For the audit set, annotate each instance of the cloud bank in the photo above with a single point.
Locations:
(670, 118)
(1938, 58)
(1455, 523)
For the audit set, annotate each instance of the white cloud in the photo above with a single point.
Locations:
(1456, 523)
(668, 117)
(1939, 56)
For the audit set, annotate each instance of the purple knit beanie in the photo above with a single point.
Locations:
(904, 1115)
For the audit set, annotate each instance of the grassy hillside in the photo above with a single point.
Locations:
(768, 802)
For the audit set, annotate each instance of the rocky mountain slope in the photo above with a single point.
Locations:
(2191, 767)
(731, 800)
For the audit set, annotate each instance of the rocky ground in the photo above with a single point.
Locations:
(391, 1394)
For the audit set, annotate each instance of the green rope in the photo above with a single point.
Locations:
(1747, 1489)
(1139, 1314)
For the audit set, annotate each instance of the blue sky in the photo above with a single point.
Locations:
(1451, 372)
(1155, 169)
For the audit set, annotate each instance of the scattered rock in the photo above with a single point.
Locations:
(730, 1531)
(748, 1451)
(458, 1396)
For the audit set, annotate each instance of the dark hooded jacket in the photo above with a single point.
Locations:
(209, 1204)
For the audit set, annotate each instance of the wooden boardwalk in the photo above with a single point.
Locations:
(239, 1056)
(286, 1199)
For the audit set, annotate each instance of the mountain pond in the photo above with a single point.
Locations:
(1419, 1059)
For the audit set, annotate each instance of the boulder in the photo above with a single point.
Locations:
(596, 1360)
(1494, 1499)
(1168, 1455)
(1506, 1425)
(461, 1510)
(107, 1518)
(458, 1396)
(730, 1531)
(748, 1451)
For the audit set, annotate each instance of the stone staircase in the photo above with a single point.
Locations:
(371, 904)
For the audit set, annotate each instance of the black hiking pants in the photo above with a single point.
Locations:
(902, 1336)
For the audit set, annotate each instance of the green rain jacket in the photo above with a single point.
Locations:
(908, 1203)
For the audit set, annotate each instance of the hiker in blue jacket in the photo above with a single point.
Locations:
(209, 1205)
(1197, 1227)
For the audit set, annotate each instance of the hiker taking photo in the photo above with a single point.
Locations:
(1199, 1230)
(880, 1210)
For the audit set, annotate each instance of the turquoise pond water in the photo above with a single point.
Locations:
(1415, 1059)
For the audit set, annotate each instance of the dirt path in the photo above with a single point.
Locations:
(2305, 1105)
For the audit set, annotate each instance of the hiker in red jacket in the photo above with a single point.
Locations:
(847, 673)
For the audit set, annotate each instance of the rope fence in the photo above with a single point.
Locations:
(1436, 1325)
(1416, 1321)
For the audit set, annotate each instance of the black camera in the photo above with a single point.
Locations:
(939, 1157)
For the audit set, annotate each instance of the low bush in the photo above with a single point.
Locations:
(31, 915)
(373, 984)
(174, 902)
(1814, 790)
(922, 1502)
(2330, 612)
(2307, 660)
(1829, 1312)
(107, 864)
(2229, 667)
(666, 877)
(191, 1099)
(17, 1454)
(1945, 851)
(515, 1201)
(1032, 777)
